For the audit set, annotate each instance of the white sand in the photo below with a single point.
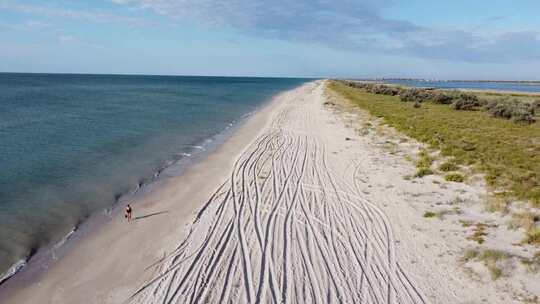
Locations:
(296, 207)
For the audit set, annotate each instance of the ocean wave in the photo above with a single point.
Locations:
(65, 238)
(13, 270)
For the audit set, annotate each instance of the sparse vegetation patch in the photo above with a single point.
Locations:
(491, 259)
(508, 153)
(454, 177)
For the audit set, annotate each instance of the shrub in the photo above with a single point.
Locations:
(516, 111)
(467, 102)
(533, 236)
(424, 160)
(429, 214)
(536, 105)
(423, 172)
(523, 116)
(442, 98)
(384, 90)
(412, 95)
(511, 109)
(454, 177)
(448, 166)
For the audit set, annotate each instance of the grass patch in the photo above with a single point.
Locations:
(498, 204)
(532, 264)
(441, 213)
(490, 258)
(508, 153)
(532, 236)
(466, 223)
(479, 232)
(526, 220)
(448, 166)
(429, 214)
(424, 160)
(423, 172)
(454, 177)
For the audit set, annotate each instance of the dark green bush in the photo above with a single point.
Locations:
(423, 172)
(516, 111)
(536, 105)
(454, 177)
(467, 102)
(448, 166)
(412, 95)
(442, 98)
(512, 109)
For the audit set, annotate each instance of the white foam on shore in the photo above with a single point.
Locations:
(13, 270)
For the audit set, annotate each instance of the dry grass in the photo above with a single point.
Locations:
(532, 264)
(491, 259)
(454, 177)
(498, 204)
(532, 236)
(441, 213)
(526, 220)
(479, 233)
(448, 166)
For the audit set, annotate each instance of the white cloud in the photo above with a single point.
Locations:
(357, 25)
(52, 11)
(69, 40)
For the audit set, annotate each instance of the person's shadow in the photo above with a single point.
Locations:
(149, 215)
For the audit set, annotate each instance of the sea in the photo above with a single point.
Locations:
(72, 145)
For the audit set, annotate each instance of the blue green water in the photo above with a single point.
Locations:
(70, 145)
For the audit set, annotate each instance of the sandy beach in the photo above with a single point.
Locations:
(302, 204)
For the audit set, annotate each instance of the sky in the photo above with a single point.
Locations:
(455, 39)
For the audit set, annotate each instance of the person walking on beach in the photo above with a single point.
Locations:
(128, 213)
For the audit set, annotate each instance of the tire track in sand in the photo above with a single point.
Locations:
(286, 228)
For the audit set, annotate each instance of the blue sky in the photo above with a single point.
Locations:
(319, 38)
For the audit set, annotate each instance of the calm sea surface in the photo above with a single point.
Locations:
(70, 145)
(501, 86)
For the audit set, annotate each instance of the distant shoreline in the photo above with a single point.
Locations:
(521, 89)
(534, 82)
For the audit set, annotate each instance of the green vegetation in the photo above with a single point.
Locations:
(498, 203)
(507, 152)
(429, 214)
(466, 223)
(505, 106)
(532, 236)
(490, 258)
(448, 166)
(423, 172)
(424, 160)
(441, 213)
(526, 220)
(423, 163)
(532, 264)
(454, 177)
(479, 232)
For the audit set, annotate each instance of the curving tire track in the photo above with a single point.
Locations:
(286, 227)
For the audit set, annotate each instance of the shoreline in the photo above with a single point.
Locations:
(472, 90)
(171, 168)
(309, 184)
(39, 264)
